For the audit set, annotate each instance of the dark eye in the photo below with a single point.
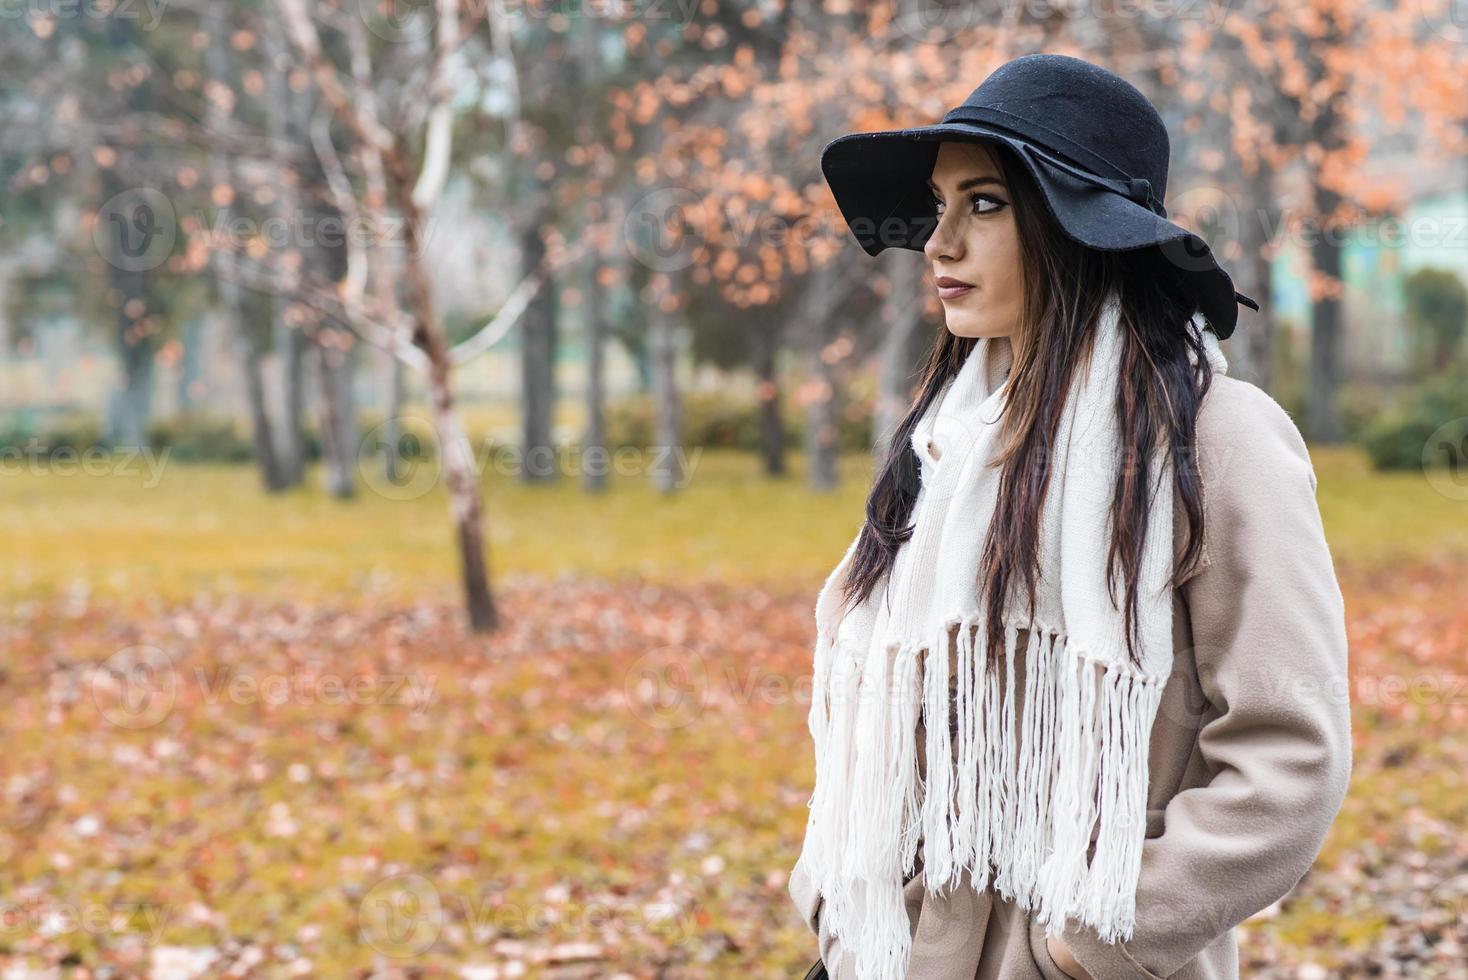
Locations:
(998, 205)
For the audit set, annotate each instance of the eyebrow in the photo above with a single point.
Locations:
(964, 185)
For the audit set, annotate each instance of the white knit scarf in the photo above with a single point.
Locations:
(1024, 802)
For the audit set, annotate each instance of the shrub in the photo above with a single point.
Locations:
(1359, 406)
(1437, 314)
(50, 430)
(1396, 441)
(198, 437)
(716, 421)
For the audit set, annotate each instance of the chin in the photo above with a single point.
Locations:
(968, 325)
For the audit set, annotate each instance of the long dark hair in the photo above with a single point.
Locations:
(1157, 406)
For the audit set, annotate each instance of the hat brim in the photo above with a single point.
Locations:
(880, 179)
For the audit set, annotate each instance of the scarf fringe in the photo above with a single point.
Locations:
(1018, 799)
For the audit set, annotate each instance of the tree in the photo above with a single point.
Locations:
(219, 94)
(411, 192)
(1289, 86)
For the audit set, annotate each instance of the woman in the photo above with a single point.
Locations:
(1092, 561)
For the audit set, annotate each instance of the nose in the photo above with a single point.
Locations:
(943, 243)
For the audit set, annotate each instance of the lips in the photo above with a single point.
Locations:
(950, 288)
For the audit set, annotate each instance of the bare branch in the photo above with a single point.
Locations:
(438, 142)
(326, 300)
(307, 41)
(501, 323)
(514, 307)
(354, 284)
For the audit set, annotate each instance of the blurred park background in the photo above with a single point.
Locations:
(424, 428)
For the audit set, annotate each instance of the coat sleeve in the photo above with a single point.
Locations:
(808, 902)
(1268, 625)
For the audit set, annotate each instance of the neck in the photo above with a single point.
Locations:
(1001, 359)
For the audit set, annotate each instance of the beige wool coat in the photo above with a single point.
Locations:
(1251, 747)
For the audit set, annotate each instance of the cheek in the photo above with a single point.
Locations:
(996, 244)
(1006, 248)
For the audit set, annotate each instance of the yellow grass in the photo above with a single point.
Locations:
(187, 529)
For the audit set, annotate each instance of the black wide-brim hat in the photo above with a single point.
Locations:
(1095, 145)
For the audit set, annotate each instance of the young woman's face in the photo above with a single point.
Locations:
(976, 242)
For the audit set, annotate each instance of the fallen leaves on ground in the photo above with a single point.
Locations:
(612, 786)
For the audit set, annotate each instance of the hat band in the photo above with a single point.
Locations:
(1138, 189)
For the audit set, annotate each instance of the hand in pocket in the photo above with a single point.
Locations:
(1067, 963)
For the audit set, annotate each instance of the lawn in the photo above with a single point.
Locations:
(187, 529)
(190, 528)
(245, 735)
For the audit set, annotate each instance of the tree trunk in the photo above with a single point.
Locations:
(454, 451)
(7, 340)
(821, 429)
(822, 425)
(1253, 351)
(131, 407)
(337, 420)
(285, 128)
(538, 361)
(665, 463)
(595, 460)
(392, 423)
(1322, 421)
(231, 296)
(132, 403)
(383, 276)
(188, 363)
(249, 360)
(771, 416)
(639, 281)
(323, 255)
(290, 357)
(903, 345)
(131, 237)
